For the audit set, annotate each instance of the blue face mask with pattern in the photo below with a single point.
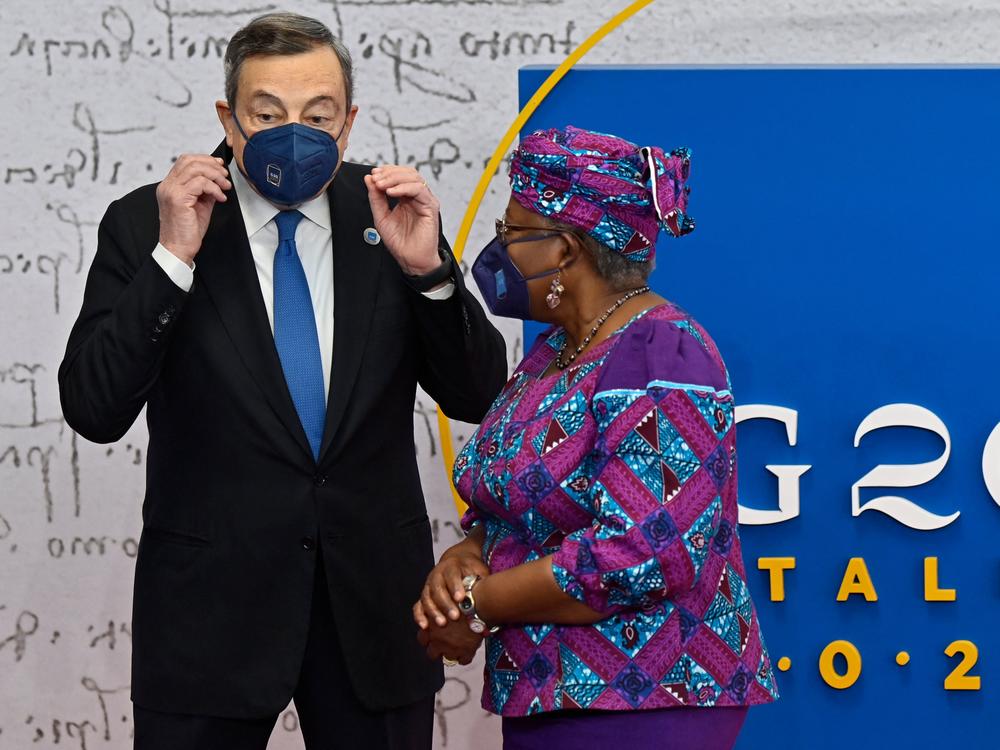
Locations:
(291, 163)
(503, 286)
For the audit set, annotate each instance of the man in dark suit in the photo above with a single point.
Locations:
(274, 308)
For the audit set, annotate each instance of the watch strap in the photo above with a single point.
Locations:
(426, 282)
(468, 608)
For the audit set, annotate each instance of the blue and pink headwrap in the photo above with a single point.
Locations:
(617, 192)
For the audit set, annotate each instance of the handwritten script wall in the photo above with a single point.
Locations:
(102, 96)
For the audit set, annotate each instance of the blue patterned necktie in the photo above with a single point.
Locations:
(295, 334)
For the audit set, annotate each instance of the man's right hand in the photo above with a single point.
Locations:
(186, 198)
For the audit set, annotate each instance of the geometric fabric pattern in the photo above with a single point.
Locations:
(622, 469)
(615, 191)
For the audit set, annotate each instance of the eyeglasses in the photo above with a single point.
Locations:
(502, 227)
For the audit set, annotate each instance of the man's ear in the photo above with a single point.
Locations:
(226, 118)
(348, 127)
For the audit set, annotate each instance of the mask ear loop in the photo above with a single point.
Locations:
(245, 138)
(240, 127)
(341, 132)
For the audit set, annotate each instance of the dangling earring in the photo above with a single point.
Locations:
(554, 297)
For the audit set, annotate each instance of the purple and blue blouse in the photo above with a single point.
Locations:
(622, 468)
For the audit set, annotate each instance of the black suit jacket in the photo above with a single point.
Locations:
(235, 503)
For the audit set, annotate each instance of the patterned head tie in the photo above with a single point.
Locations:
(617, 192)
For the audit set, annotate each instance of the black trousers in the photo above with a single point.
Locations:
(330, 715)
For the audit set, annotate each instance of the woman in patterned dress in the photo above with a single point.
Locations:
(602, 563)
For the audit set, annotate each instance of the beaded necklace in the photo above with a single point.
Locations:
(600, 321)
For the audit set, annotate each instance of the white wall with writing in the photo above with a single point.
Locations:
(101, 96)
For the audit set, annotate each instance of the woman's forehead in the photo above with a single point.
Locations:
(516, 213)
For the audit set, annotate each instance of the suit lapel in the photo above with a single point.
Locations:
(225, 267)
(355, 288)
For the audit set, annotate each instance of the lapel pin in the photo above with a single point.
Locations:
(371, 235)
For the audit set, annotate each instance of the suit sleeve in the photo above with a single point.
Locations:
(464, 363)
(117, 346)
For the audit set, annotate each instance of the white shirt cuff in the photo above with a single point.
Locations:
(444, 292)
(179, 272)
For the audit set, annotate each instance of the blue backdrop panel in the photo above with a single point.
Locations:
(845, 258)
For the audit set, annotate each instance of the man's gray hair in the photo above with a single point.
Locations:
(620, 272)
(283, 34)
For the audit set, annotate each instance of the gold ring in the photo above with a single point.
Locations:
(448, 662)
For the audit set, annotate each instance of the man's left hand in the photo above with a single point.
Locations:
(409, 229)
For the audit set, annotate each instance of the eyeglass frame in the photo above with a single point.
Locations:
(502, 228)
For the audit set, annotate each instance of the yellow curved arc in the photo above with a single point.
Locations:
(444, 427)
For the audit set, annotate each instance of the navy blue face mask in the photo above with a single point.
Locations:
(291, 163)
(503, 286)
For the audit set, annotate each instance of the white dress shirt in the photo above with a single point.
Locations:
(314, 242)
